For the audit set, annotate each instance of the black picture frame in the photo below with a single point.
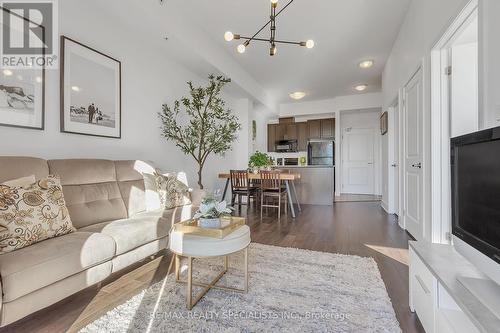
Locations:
(42, 83)
(65, 41)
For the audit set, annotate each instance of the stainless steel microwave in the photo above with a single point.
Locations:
(286, 146)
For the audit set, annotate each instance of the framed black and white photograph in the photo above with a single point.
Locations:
(90, 91)
(384, 123)
(22, 92)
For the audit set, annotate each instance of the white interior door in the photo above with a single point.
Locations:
(413, 156)
(358, 161)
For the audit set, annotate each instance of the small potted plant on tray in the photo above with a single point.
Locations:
(211, 211)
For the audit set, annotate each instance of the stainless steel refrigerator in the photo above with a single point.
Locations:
(321, 152)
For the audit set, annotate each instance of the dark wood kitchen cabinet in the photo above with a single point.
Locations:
(327, 128)
(321, 128)
(271, 137)
(302, 136)
(314, 128)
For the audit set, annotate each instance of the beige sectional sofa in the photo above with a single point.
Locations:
(107, 205)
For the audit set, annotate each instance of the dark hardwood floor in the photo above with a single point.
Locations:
(355, 228)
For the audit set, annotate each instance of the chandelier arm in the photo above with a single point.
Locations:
(265, 25)
(268, 41)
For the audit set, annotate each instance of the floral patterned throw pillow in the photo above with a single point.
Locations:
(31, 214)
(173, 193)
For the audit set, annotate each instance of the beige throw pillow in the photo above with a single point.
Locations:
(33, 213)
(21, 182)
(173, 193)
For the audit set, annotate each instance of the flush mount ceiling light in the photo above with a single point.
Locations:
(366, 64)
(361, 87)
(298, 95)
(229, 36)
(7, 72)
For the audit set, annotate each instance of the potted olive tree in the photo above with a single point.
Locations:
(201, 125)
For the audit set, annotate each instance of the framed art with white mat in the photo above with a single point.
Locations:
(90, 91)
(22, 90)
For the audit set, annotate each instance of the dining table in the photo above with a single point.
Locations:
(288, 179)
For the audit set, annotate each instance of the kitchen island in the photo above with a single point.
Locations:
(316, 185)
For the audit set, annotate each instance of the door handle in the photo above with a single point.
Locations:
(394, 165)
(370, 163)
(417, 165)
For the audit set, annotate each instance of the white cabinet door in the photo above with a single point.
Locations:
(413, 126)
(358, 158)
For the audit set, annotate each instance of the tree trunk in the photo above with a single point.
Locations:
(200, 176)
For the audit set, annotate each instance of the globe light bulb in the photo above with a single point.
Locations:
(241, 48)
(310, 44)
(228, 36)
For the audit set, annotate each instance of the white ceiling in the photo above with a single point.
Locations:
(346, 32)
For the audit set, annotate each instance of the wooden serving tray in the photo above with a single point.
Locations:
(228, 225)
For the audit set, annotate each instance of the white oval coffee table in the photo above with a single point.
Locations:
(193, 246)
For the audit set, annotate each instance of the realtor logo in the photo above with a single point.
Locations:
(29, 34)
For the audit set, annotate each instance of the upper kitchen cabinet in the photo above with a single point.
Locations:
(286, 132)
(314, 128)
(328, 128)
(302, 136)
(271, 137)
(321, 128)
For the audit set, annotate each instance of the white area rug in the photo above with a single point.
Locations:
(290, 290)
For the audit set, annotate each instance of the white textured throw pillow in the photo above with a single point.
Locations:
(152, 196)
(173, 192)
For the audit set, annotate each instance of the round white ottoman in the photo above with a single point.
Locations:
(193, 246)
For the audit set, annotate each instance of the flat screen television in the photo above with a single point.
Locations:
(475, 181)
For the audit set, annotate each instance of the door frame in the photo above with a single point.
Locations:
(402, 121)
(393, 155)
(441, 129)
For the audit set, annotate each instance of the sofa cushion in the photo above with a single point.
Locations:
(16, 167)
(50, 261)
(31, 214)
(131, 233)
(129, 175)
(91, 190)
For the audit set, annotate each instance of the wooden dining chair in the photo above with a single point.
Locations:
(271, 187)
(241, 186)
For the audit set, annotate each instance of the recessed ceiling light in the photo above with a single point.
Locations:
(75, 88)
(298, 95)
(38, 79)
(366, 64)
(361, 87)
(7, 72)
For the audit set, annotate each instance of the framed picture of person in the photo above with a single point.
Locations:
(22, 91)
(90, 91)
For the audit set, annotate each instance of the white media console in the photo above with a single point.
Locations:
(443, 304)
